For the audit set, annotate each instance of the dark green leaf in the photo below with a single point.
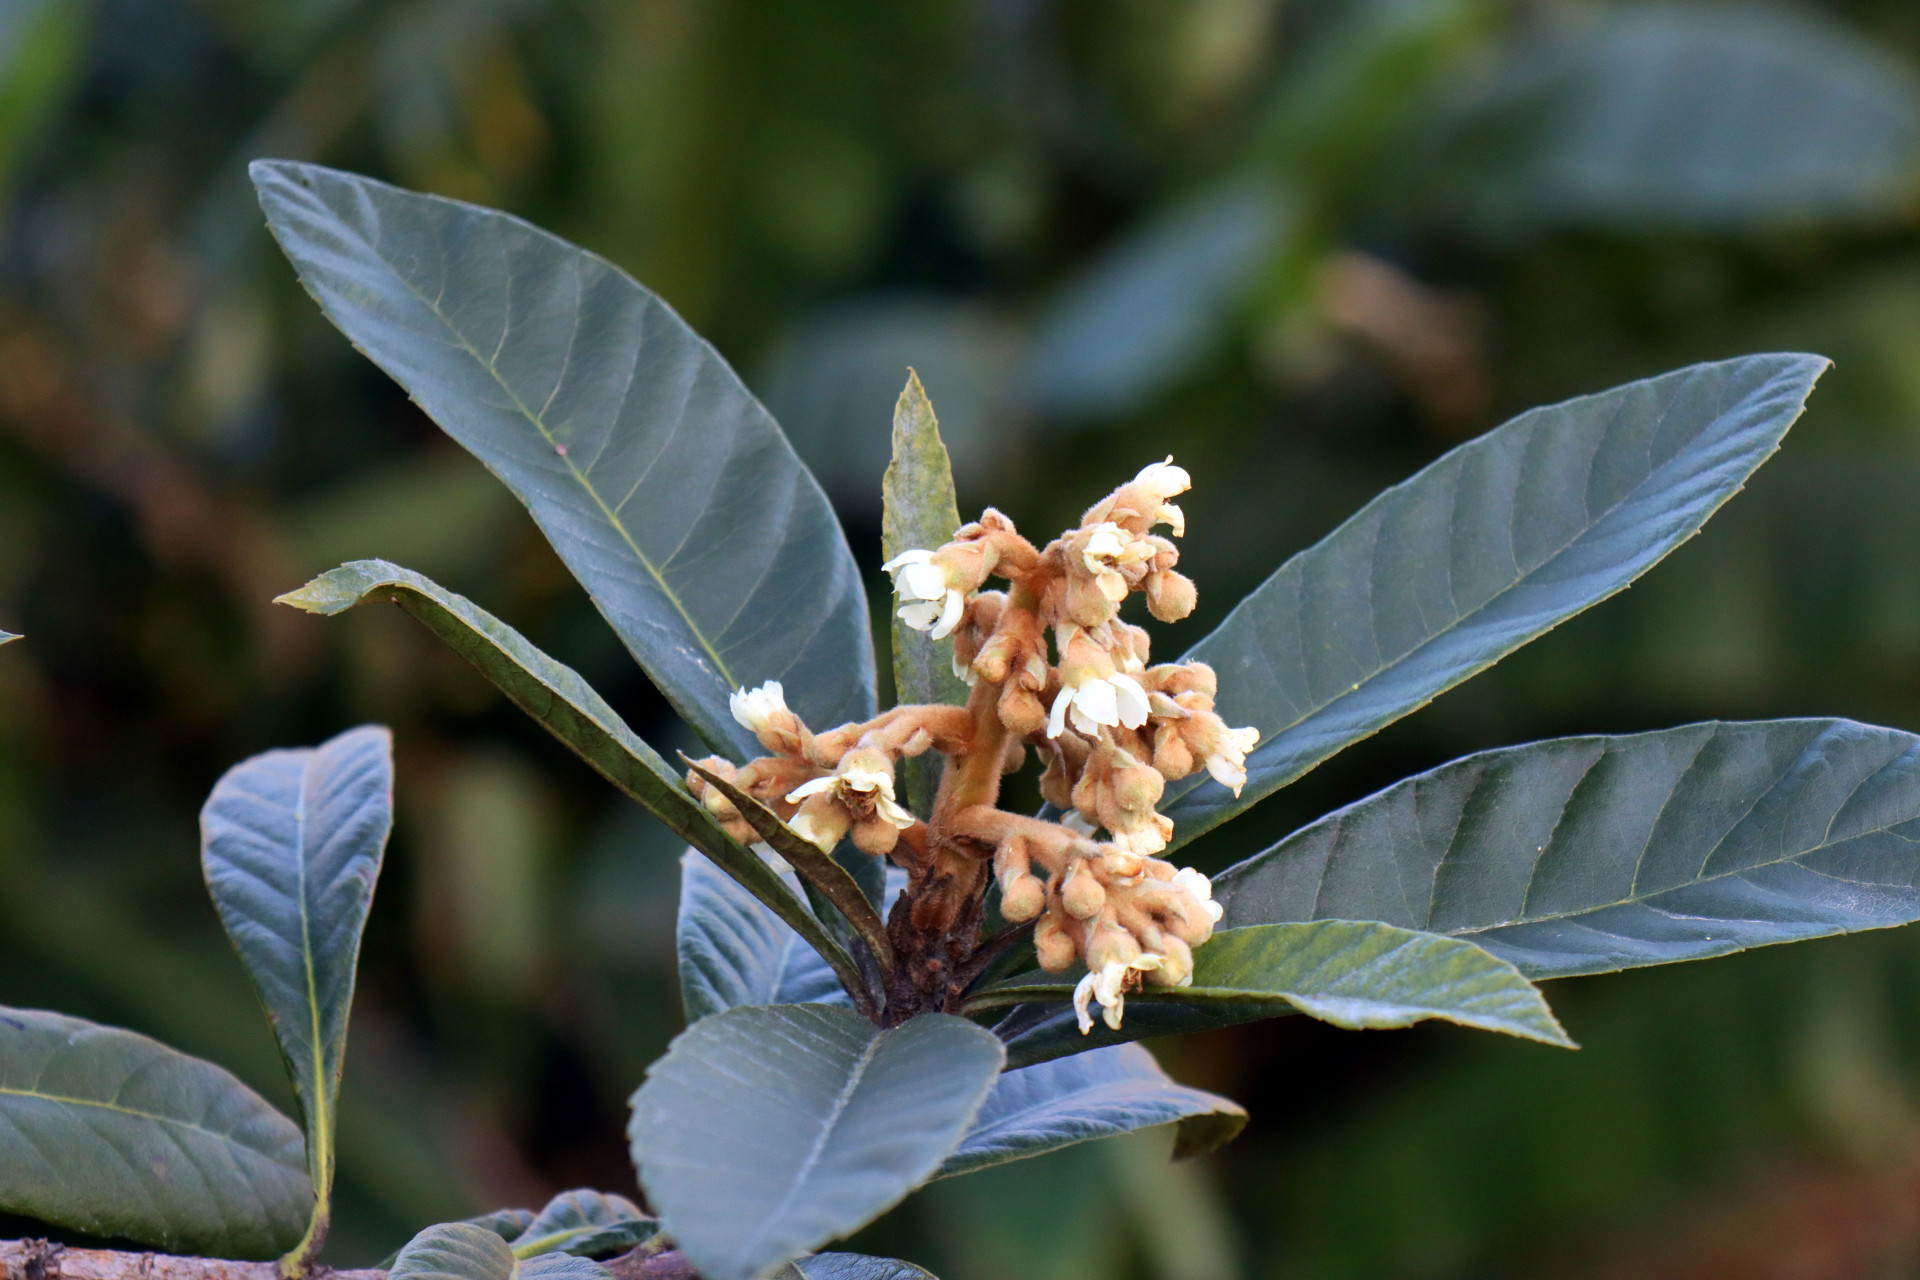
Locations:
(655, 474)
(852, 1266)
(835, 883)
(585, 1222)
(567, 707)
(919, 511)
(1356, 974)
(291, 844)
(1585, 855)
(1500, 540)
(471, 1251)
(1090, 1095)
(767, 1132)
(113, 1134)
(1677, 116)
(734, 951)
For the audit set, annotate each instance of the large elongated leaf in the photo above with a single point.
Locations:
(584, 1222)
(113, 1134)
(1091, 1095)
(568, 708)
(734, 951)
(291, 844)
(655, 474)
(1495, 543)
(1356, 974)
(1585, 855)
(919, 510)
(767, 1132)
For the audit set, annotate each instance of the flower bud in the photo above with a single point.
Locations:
(1176, 964)
(1023, 898)
(1081, 893)
(1021, 710)
(1053, 944)
(876, 836)
(1170, 595)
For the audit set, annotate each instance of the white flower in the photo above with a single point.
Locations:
(755, 708)
(1108, 548)
(931, 605)
(1163, 479)
(1108, 986)
(858, 791)
(1227, 762)
(1196, 886)
(1099, 700)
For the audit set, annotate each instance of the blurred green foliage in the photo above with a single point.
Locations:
(1305, 249)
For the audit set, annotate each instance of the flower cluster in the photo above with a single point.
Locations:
(1053, 668)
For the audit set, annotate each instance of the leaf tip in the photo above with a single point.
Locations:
(332, 592)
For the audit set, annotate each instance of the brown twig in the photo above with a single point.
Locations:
(40, 1260)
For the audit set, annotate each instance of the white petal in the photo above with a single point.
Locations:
(1228, 772)
(1112, 585)
(1172, 515)
(813, 788)
(1164, 478)
(921, 582)
(920, 616)
(1097, 699)
(892, 812)
(819, 837)
(1132, 700)
(1193, 883)
(963, 671)
(956, 608)
(1246, 739)
(1082, 994)
(1057, 719)
(916, 556)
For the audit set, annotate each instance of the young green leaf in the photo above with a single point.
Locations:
(110, 1133)
(1586, 855)
(1497, 542)
(851, 1266)
(568, 708)
(471, 1251)
(921, 512)
(585, 1222)
(835, 883)
(1356, 974)
(1090, 1095)
(658, 478)
(733, 951)
(291, 844)
(508, 1224)
(767, 1132)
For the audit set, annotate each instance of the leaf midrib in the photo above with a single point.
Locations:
(37, 1095)
(539, 425)
(1458, 623)
(862, 1062)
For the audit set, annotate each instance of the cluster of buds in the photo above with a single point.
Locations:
(1052, 667)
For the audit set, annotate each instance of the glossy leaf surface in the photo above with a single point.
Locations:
(658, 478)
(767, 1132)
(1355, 974)
(1495, 543)
(734, 951)
(1585, 855)
(584, 1222)
(568, 708)
(1090, 1095)
(291, 844)
(110, 1133)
